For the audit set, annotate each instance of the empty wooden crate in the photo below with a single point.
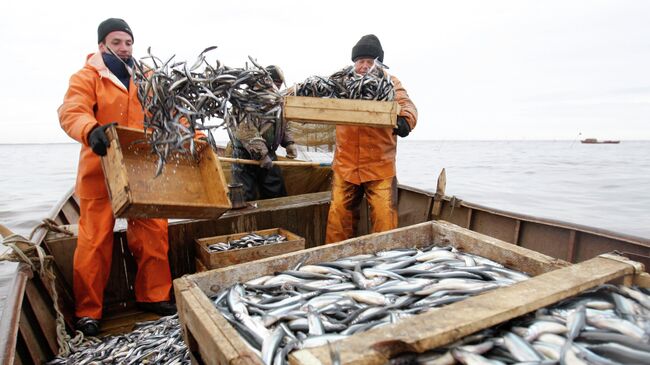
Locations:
(369, 113)
(208, 260)
(188, 187)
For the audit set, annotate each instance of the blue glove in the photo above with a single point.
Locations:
(403, 129)
(98, 140)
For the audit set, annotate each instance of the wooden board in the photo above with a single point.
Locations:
(215, 260)
(455, 321)
(13, 279)
(369, 113)
(195, 289)
(187, 187)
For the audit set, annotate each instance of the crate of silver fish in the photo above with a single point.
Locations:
(186, 185)
(369, 113)
(372, 298)
(222, 251)
(398, 295)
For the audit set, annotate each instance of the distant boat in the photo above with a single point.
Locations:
(595, 141)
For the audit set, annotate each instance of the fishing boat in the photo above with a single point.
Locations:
(29, 331)
(596, 141)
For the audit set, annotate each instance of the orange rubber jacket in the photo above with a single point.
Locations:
(367, 153)
(96, 97)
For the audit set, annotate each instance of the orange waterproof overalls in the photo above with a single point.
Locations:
(364, 163)
(97, 97)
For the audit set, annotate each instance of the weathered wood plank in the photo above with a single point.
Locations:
(510, 255)
(44, 314)
(188, 187)
(13, 279)
(642, 280)
(200, 321)
(28, 331)
(341, 111)
(447, 324)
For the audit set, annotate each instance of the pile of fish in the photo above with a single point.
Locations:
(179, 99)
(312, 305)
(608, 326)
(154, 342)
(376, 84)
(249, 240)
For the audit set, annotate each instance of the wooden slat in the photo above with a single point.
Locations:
(450, 323)
(71, 213)
(44, 314)
(28, 331)
(341, 111)
(642, 280)
(515, 257)
(199, 320)
(13, 278)
(124, 321)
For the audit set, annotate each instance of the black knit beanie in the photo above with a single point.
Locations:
(112, 25)
(368, 46)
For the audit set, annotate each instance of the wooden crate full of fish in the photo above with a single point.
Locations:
(607, 324)
(188, 186)
(213, 332)
(222, 251)
(369, 113)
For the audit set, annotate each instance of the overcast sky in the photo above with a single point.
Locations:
(475, 69)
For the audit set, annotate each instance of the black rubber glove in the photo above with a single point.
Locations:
(266, 162)
(98, 140)
(403, 129)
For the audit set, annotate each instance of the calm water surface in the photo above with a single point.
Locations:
(605, 186)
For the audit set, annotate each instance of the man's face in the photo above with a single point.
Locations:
(120, 42)
(362, 65)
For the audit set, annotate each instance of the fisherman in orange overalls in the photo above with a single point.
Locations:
(364, 159)
(100, 94)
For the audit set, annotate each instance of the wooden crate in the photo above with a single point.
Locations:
(215, 260)
(367, 113)
(212, 340)
(187, 188)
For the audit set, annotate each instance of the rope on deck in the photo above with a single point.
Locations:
(37, 264)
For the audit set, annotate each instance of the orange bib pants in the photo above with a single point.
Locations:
(343, 217)
(147, 240)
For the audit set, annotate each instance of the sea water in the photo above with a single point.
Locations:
(604, 186)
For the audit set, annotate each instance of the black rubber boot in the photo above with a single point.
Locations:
(88, 326)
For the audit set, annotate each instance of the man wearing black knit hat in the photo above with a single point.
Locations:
(364, 160)
(101, 94)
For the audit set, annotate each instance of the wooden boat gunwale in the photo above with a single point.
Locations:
(417, 205)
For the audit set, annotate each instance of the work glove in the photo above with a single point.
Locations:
(403, 129)
(98, 140)
(257, 148)
(266, 162)
(292, 151)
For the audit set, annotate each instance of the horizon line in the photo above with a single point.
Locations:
(420, 140)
